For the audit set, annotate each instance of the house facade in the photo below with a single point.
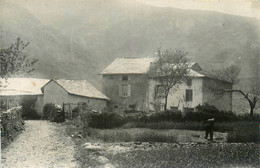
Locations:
(127, 84)
(73, 92)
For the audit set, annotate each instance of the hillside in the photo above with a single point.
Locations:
(83, 42)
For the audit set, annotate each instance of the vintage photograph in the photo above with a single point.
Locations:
(130, 83)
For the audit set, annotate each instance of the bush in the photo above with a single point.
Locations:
(53, 113)
(12, 124)
(244, 132)
(206, 111)
(75, 112)
(113, 120)
(104, 120)
(48, 111)
(166, 116)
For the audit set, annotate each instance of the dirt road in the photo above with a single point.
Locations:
(43, 145)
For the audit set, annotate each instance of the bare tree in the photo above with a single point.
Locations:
(169, 70)
(230, 74)
(13, 60)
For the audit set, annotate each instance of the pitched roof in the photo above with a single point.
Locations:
(21, 86)
(129, 66)
(81, 88)
(193, 73)
(140, 66)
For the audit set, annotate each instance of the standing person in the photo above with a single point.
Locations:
(209, 128)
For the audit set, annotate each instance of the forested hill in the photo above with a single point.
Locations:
(83, 42)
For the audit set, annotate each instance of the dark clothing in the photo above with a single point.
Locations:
(209, 128)
(210, 132)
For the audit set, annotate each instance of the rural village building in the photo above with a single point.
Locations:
(14, 90)
(43, 91)
(74, 92)
(127, 84)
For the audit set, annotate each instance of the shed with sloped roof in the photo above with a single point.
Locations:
(15, 91)
(74, 92)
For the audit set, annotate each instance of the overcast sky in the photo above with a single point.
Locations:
(44, 9)
(247, 8)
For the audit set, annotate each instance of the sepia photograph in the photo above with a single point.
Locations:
(130, 83)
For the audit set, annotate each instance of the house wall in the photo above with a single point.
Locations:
(95, 104)
(54, 93)
(220, 101)
(143, 90)
(177, 95)
(138, 87)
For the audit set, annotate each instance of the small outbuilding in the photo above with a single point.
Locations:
(74, 92)
(14, 91)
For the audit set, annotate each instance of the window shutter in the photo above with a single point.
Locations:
(129, 91)
(189, 95)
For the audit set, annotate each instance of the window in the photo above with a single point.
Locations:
(124, 78)
(188, 94)
(125, 90)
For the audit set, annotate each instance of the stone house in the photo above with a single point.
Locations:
(74, 92)
(127, 84)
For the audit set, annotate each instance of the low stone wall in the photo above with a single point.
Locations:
(11, 125)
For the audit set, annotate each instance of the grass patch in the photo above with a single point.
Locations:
(132, 135)
(197, 126)
(237, 131)
(244, 132)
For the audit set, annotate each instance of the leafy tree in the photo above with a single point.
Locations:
(230, 74)
(13, 60)
(169, 70)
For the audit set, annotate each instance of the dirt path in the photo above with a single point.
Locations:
(42, 145)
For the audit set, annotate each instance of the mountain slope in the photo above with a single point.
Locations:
(81, 43)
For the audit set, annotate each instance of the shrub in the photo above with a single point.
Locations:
(104, 120)
(48, 111)
(166, 116)
(12, 124)
(206, 108)
(75, 112)
(206, 111)
(53, 113)
(83, 122)
(244, 132)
